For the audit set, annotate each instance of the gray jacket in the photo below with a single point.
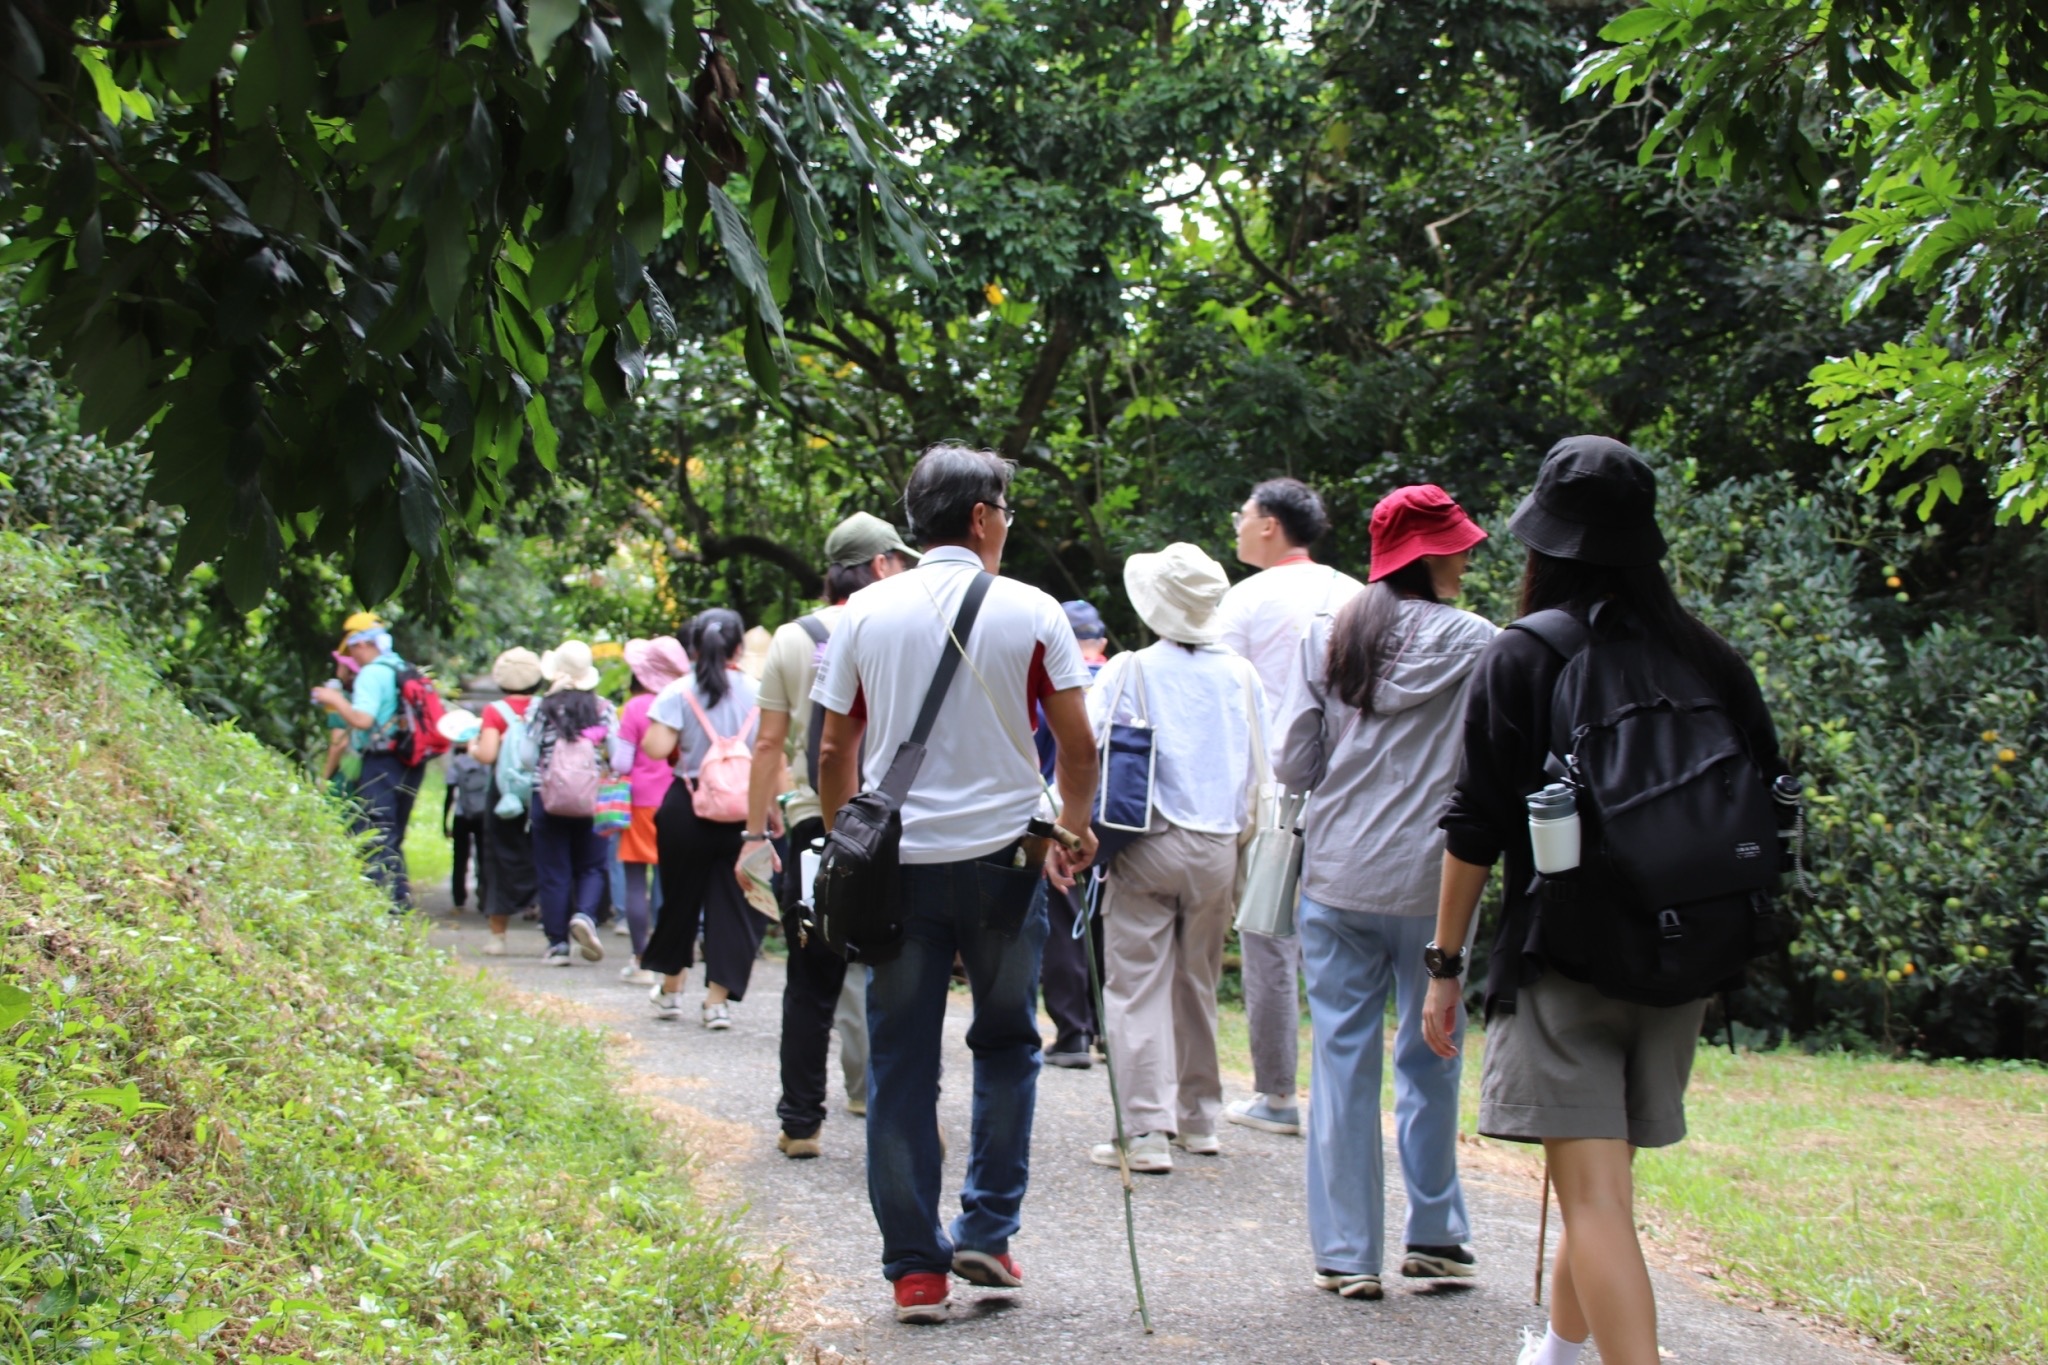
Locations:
(1371, 836)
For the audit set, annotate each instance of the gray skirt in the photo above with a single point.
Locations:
(1571, 1063)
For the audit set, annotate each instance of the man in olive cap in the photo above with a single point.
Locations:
(818, 993)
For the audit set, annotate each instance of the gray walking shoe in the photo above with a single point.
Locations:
(1349, 1286)
(1261, 1113)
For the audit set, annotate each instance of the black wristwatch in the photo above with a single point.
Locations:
(1443, 966)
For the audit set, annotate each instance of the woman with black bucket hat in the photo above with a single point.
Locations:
(1590, 1077)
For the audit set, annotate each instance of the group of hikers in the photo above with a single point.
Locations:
(1422, 737)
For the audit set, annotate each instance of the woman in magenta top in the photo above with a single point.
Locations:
(655, 664)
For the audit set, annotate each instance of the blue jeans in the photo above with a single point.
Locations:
(949, 907)
(385, 791)
(568, 863)
(1351, 960)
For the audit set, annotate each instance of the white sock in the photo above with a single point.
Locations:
(1557, 1351)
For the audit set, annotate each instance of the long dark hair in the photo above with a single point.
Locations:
(570, 711)
(716, 638)
(1548, 581)
(1363, 632)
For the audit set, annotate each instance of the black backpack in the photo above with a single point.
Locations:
(1679, 846)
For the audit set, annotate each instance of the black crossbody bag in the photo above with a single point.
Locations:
(857, 908)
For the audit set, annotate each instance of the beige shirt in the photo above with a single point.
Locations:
(786, 681)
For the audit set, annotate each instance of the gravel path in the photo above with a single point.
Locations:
(1223, 1239)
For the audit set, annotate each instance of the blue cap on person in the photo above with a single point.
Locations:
(1085, 620)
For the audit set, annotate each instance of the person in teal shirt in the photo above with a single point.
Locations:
(387, 786)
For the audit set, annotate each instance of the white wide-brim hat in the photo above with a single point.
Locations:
(568, 668)
(458, 726)
(1176, 592)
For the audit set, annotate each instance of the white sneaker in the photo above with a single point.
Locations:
(1149, 1154)
(496, 946)
(633, 974)
(621, 929)
(1349, 1286)
(1198, 1144)
(557, 955)
(667, 1005)
(583, 929)
(717, 1017)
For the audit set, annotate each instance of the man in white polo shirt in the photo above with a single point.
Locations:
(965, 882)
(1263, 618)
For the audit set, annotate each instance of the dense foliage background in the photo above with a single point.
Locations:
(1159, 252)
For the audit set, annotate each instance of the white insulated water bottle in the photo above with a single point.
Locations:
(1554, 829)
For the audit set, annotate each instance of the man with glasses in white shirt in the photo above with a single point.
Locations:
(1263, 617)
(966, 881)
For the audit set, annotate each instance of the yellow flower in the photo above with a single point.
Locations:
(2006, 755)
(607, 649)
(816, 442)
(993, 292)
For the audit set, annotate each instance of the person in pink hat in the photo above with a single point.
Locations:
(654, 664)
(1372, 724)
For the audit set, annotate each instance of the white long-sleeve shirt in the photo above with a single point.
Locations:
(1201, 706)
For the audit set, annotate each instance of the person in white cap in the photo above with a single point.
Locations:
(1169, 892)
(569, 855)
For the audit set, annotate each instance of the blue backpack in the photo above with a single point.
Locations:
(514, 769)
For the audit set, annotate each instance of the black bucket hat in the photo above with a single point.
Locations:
(1596, 501)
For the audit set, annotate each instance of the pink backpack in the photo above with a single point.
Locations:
(721, 790)
(568, 789)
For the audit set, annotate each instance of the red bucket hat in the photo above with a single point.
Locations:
(1418, 520)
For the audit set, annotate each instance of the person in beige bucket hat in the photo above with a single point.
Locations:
(516, 671)
(569, 667)
(1169, 899)
(1177, 591)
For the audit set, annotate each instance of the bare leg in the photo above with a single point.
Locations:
(1601, 1262)
(673, 982)
(499, 923)
(1567, 1319)
(715, 994)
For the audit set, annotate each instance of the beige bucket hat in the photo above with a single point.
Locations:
(1176, 592)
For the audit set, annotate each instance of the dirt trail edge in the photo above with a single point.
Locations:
(1224, 1239)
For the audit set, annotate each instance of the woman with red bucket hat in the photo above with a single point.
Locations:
(1372, 725)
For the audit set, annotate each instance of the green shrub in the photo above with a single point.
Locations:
(249, 1116)
(1924, 748)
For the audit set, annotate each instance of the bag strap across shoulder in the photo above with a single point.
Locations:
(1565, 633)
(910, 756)
(814, 628)
(710, 730)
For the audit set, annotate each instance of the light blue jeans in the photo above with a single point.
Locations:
(1351, 960)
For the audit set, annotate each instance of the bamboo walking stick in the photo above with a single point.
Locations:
(1542, 1233)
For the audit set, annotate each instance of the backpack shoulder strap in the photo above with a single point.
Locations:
(816, 629)
(710, 730)
(1565, 633)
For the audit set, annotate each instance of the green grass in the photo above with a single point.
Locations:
(248, 1116)
(1905, 1200)
(429, 856)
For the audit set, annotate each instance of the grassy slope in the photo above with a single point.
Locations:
(1902, 1199)
(248, 1116)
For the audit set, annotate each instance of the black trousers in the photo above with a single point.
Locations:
(509, 884)
(1063, 972)
(700, 888)
(468, 839)
(810, 995)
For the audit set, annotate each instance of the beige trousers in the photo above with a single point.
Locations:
(1164, 918)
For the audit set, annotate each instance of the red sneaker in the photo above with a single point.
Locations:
(990, 1270)
(921, 1297)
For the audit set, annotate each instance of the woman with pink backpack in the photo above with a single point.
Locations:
(706, 724)
(567, 737)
